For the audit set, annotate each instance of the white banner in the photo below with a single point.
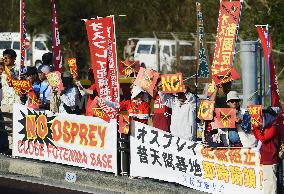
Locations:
(76, 140)
(160, 155)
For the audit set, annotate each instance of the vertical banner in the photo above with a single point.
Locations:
(57, 52)
(204, 70)
(267, 48)
(160, 155)
(227, 31)
(81, 141)
(101, 36)
(23, 32)
(228, 24)
(266, 42)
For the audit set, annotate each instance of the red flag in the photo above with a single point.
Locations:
(228, 23)
(227, 34)
(226, 76)
(146, 79)
(101, 36)
(23, 32)
(57, 52)
(274, 90)
(225, 118)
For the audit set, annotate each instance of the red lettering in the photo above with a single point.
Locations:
(66, 129)
(56, 126)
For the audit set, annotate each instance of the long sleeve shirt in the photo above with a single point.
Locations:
(270, 143)
(183, 119)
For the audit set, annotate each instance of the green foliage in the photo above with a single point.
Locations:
(142, 16)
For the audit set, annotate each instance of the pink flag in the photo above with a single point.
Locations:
(57, 53)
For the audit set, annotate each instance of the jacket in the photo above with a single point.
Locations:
(270, 143)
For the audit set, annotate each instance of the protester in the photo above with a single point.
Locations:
(45, 92)
(3, 132)
(219, 94)
(91, 92)
(47, 60)
(138, 107)
(183, 119)
(162, 115)
(9, 95)
(69, 97)
(269, 135)
(238, 136)
(32, 76)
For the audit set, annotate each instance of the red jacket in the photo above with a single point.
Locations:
(139, 111)
(270, 143)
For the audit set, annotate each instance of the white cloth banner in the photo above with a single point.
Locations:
(76, 140)
(160, 155)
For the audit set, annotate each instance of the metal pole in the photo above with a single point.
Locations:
(157, 52)
(249, 72)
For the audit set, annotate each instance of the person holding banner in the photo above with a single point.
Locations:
(69, 97)
(183, 121)
(269, 135)
(90, 92)
(238, 137)
(45, 92)
(9, 95)
(138, 108)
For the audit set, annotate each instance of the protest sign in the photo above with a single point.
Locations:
(147, 79)
(124, 123)
(99, 109)
(225, 118)
(54, 79)
(226, 76)
(76, 140)
(73, 67)
(21, 87)
(126, 68)
(172, 83)
(206, 109)
(160, 155)
(255, 112)
(227, 34)
(32, 100)
(102, 43)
